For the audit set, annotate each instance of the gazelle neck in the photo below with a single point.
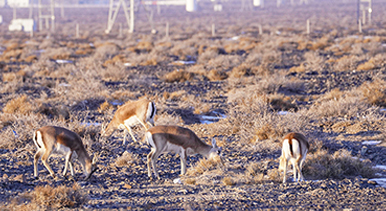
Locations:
(204, 149)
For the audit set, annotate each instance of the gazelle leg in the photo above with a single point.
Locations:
(45, 157)
(71, 167)
(149, 157)
(301, 167)
(285, 172)
(294, 167)
(36, 159)
(68, 157)
(183, 162)
(131, 133)
(153, 163)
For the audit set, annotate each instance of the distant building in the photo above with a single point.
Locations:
(18, 3)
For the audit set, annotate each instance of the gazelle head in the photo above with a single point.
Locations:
(90, 168)
(215, 151)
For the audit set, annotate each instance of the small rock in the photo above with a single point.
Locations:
(177, 181)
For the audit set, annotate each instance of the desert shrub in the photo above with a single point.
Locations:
(128, 159)
(12, 76)
(115, 72)
(244, 69)
(224, 62)
(369, 65)
(347, 63)
(347, 106)
(105, 51)
(313, 61)
(204, 165)
(320, 44)
(298, 69)
(281, 102)
(260, 172)
(183, 50)
(20, 104)
(205, 57)
(59, 197)
(374, 92)
(334, 94)
(228, 181)
(49, 198)
(168, 119)
(178, 76)
(341, 164)
(216, 75)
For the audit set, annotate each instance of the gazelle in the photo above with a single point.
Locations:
(130, 114)
(176, 139)
(295, 148)
(58, 140)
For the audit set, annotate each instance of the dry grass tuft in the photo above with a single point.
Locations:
(267, 131)
(341, 164)
(104, 107)
(59, 197)
(216, 75)
(20, 105)
(369, 65)
(374, 92)
(203, 166)
(298, 69)
(178, 76)
(127, 159)
(228, 181)
(48, 198)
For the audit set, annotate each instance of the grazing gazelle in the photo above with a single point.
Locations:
(58, 140)
(130, 114)
(176, 139)
(295, 148)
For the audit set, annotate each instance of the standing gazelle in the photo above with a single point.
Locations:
(57, 140)
(176, 139)
(130, 114)
(295, 148)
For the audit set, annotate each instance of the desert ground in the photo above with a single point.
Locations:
(242, 86)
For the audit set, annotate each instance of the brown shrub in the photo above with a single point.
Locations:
(58, 197)
(267, 131)
(297, 69)
(203, 166)
(49, 198)
(281, 102)
(242, 70)
(374, 92)
(104, 107)
(128, 159)
(369, 65)
(346, 63)
(341, 164)
(20, 105)
(216, 75)
(178, 76)
(228, 181)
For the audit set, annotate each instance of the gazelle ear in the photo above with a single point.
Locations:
(214, 142)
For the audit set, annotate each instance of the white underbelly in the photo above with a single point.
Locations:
(130, 121)
(173, 148)
(61, 149)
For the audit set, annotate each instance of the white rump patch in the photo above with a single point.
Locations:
(39, 140)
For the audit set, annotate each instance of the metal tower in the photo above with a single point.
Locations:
(113, 12)
(46, 12)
